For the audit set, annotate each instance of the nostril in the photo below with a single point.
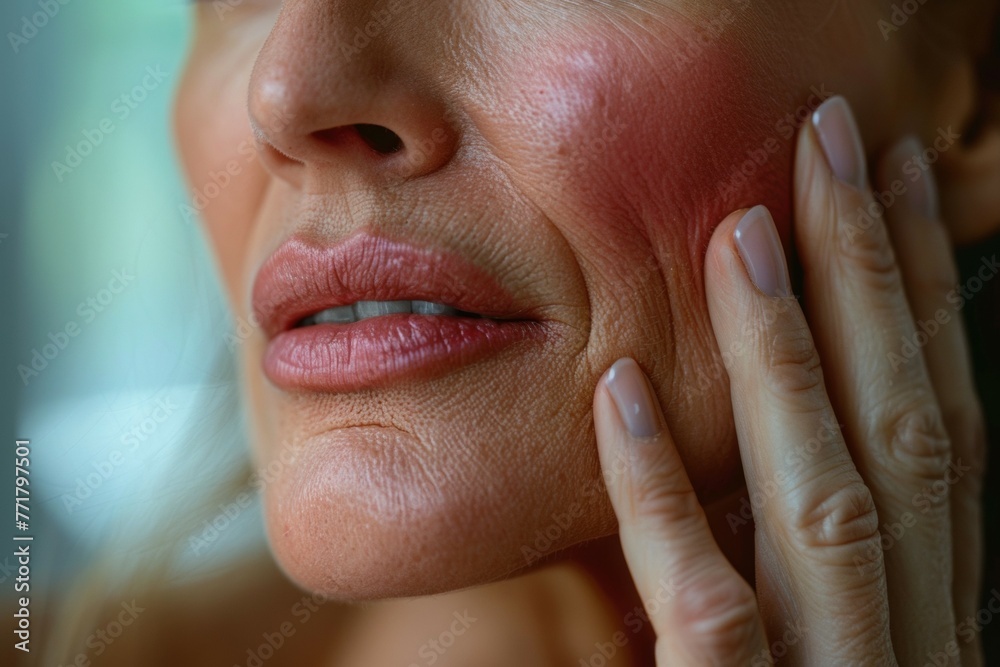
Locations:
(380, 139)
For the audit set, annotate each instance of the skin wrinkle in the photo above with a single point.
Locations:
(660, 270)
(488, 453)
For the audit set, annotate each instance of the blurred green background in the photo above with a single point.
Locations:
(119, 325)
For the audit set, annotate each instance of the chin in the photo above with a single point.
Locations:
(419, 502)
(360, 515)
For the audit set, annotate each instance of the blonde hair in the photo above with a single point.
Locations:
(122, 571)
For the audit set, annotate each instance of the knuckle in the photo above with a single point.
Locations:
(844, 515)
(660, 492)
(871, 254)
(792, 362)
(917, 443)
(664, 502)
(719, 617)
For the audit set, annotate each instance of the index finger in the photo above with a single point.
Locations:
(702, 611)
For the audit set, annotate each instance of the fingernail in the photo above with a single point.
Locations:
(634, 399)
(907, 172)
(760, 249)
(841, 141)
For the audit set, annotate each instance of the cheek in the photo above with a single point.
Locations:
(679, 161)
(637, 155)
(624, 135)
(225, 179)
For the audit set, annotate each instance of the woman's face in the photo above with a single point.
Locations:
(558, 166)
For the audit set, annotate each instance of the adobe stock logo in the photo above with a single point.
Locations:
(101, 471)
(121, 108)
(87, 310)
(381, 18)
(30, 25)
(959, 297)
(901, 13)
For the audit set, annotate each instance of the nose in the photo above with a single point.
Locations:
(332, 97)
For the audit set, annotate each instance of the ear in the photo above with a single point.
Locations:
(969, 172)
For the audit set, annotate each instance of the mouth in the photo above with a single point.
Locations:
(363, 310)
(372, 312)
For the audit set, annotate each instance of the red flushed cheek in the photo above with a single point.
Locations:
(646, 131)
(637, 154)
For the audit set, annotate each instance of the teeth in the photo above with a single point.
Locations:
(338, 315)
(362, 310)
(431, 308)
(365, 309)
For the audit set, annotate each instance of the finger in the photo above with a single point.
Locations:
(892, 422)
(815, 517)
(924, 252)
(703, 612)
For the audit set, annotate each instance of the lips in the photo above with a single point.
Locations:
(304, 278)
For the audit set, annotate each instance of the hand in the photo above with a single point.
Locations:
(863, 471)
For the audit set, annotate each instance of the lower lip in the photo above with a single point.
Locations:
(384, 350)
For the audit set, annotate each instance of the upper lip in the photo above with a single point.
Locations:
(304, 276)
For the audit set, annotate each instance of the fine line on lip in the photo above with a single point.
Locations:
(379, 351)
(368, 267)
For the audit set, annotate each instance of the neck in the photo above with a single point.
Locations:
(603, 562)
